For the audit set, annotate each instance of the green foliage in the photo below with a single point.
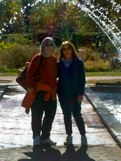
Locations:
(93, 61)
(63, 21)
(10, 16)
(56, 18)
(88, 54)
(103, 45)
(10, 39)
(3, 68)
(99, 65)
(115, 63)
(15, 55)
(60, 20)
(110, 49)
(4, 46)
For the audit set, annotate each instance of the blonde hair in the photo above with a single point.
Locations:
(46, 39)
(74, 51)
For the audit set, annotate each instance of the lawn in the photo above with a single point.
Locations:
(106, 73)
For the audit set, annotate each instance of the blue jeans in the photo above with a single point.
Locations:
(43, 113)
(72, 107)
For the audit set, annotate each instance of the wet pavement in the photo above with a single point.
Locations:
(16, 136)
(106, 100)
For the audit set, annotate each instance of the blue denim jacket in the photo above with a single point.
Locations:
(71, 80)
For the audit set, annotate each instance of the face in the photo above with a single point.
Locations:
(48, 48)
(67, 51)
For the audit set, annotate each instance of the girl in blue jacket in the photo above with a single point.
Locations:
(70, 88)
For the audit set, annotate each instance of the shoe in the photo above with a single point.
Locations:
(83, 140)
(68, 140)
(36, 141)
(48, 141)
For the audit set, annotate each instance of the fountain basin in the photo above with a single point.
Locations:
(106, 100)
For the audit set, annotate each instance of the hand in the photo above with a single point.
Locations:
(79, 99)
(27, 110)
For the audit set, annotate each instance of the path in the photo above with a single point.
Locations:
(101, 145)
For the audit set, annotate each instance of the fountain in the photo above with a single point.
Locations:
(100, 16)
(96, 12)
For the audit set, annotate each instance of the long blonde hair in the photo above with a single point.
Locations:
(74, 51)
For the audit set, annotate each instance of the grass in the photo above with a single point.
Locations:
(105, 82)
(15, 73)
(106, 73)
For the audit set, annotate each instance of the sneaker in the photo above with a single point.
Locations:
(68, 140)
(48, 141)
(36, 141)
(83, 140)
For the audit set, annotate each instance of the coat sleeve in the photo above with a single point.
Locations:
(82, 79)
(31, 72)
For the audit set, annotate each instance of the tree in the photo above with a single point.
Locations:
(59, 19)
(11, 17)
(26, 13)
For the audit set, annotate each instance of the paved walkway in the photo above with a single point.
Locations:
(103, 77)
(101, 145)
(11, 79)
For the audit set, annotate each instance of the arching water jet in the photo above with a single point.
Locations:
(100, 16)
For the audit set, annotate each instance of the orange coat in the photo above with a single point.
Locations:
(46, 79)
(30, 97)
(47, 73)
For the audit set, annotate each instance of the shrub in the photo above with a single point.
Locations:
(3, 68)
(99, 65)
(115, 62)
(15, 55)
(16, 38)
(89, 54)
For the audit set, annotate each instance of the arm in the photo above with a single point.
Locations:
(82, 81)
(31, 73)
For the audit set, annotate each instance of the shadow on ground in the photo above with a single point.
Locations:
(52, 154)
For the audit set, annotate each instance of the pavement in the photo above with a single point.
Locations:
(103, 134)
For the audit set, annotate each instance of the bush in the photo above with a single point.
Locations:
(115, 62)
(89, 54)
(3, 68)
(15, 55)
(100, 65)
(16, 38)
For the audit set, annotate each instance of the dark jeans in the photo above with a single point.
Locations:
(69, 107)
(43, 114)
